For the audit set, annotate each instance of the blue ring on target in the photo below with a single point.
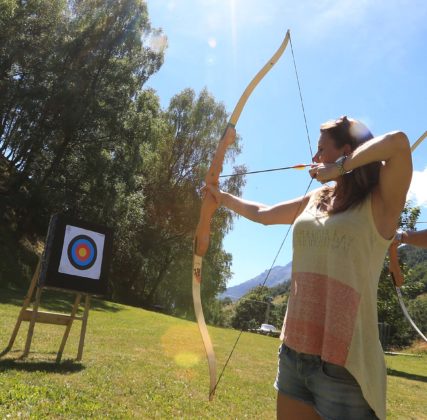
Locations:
(82, 252)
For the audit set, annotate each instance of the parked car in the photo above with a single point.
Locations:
(268, 329)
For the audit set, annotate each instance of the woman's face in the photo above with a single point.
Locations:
(327, 152)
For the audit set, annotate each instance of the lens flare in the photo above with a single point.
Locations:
(182, 344)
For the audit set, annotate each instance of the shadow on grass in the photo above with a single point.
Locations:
(56, 300)
(12, 296)
(65, 367)
(406, 375)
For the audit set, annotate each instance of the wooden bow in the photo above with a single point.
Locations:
(201, 239)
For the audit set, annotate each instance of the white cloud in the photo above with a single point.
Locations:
(171, 5)
(418, 189)
(327, 14)
(158, 41)
(212, 42)
(210, 60)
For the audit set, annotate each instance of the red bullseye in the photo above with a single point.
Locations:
(82, 252)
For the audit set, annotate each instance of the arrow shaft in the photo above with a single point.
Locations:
(301, 166)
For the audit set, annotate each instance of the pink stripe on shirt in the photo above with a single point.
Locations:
(321, 316)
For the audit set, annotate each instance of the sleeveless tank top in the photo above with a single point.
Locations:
(332, 306)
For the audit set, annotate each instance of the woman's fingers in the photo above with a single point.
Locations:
(213, 190)
(324, 172)
(313, 172)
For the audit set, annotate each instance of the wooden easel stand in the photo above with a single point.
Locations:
(34, 315)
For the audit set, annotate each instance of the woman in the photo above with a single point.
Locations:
(331, 363)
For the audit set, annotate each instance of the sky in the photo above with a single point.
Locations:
(362, 58)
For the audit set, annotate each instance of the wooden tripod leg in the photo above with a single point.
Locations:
(68, 328)
(83, 331)
(32, 322)
(27, 301)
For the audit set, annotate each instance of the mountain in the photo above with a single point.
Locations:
(278, 275)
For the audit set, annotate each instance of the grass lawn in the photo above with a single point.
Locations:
(140, 364)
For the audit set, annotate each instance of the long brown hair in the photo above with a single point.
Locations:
(357, 184)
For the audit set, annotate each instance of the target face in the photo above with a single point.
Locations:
(82, 252)
(77, 255)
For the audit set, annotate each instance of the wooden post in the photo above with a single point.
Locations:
(27, 301)
(83, 330)
(62, 267)
(68, 328)
(34, 315)
(32, 322)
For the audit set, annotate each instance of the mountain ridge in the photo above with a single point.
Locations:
(277, 275)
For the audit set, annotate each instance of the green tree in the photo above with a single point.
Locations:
(81, 135)
(68, 89)
(251, 309)
(418, 309)
(173, 169)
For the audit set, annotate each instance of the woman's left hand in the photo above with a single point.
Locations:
(214, 191)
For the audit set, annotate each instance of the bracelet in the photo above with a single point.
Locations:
(398, 236)
(340, 165)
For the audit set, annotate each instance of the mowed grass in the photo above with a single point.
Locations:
(407, 385)
(141, 364)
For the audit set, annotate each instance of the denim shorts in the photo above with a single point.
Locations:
(330, 389)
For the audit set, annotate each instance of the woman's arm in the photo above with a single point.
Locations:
(393, 149)
(282, 213)
(412, 237)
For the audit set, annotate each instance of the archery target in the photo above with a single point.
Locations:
(77, 255)
(82, 252)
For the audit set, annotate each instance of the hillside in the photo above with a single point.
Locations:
(141, 364)
(136, 364)
(281, 274)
